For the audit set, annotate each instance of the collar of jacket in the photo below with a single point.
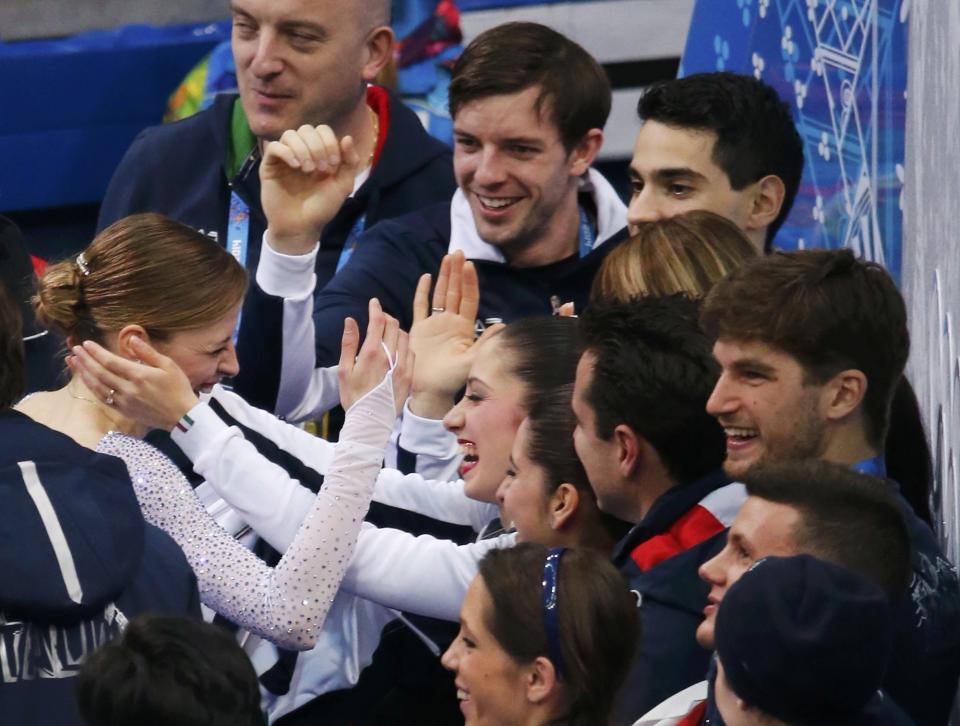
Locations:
(611, 218)
(672, 505)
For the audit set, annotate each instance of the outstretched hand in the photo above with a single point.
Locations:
(154, 392)
(444, 337)
(360, 373)
(304, 179)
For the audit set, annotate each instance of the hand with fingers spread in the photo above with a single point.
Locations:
(304, 179)
(359, 373)
(153, 392)
(444, 340)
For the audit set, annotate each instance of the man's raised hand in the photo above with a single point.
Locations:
(304, 179)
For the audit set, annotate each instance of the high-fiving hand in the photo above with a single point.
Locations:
(444, 337)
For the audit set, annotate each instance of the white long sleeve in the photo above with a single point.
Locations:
(442, 500)
(436, 450)
(304, 391)
(422, 575)
(286, 604)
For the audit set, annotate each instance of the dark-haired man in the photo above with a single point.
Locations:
(811, 347)
(653, 456)
(793, 508)
(299, 63)
(721, 142)
(803, 641)
(174, 670)
(528, 108)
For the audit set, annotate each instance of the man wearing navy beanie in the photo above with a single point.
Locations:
(803, 641)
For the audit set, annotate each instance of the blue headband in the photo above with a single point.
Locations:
(551, 586)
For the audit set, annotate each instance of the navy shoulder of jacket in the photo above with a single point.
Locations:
(923, 672)
(671, 597)
(178, 170)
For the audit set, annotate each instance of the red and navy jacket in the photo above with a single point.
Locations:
(660, 559)
(180, 170)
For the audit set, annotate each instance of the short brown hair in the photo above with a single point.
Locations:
(847, 518)
(11, 350)
(144, 269)
(513, 57)
(685, 254)
(597, 619)
(826, 308)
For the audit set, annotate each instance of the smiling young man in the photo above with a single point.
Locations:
(299, 62)
(803, 508)
(528, 106)
(722, 142)
(811, 347)
(653, 458)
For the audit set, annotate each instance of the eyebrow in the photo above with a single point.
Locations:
(221, 342)
(670, 173)
(524, 140)
(303, 25)
(473, 380)
(753, 364)
(737, 539)
(287, 25)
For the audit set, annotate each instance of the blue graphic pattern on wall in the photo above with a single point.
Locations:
(842, 67)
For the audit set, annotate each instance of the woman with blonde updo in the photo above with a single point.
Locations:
(683, 254)
(148, 285)
(145, 277)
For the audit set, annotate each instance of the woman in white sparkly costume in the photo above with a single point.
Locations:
(149, 279)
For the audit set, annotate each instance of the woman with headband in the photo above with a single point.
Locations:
(546, 637)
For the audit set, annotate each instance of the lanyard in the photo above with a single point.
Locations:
(238, 229)
(587, 237)
(350, 244)
(238, 239)
(874, 467)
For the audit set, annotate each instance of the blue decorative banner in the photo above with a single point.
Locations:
(842, 67)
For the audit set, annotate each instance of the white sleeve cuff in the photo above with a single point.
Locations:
(194, 438)
(286, 276)
(425, 436)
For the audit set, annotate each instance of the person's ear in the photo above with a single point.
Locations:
(767, 201)
(126, 334)
(844, 393)
(584, 153)
(629, 450)
(563, 504)
(379, 51)
(542, 681)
